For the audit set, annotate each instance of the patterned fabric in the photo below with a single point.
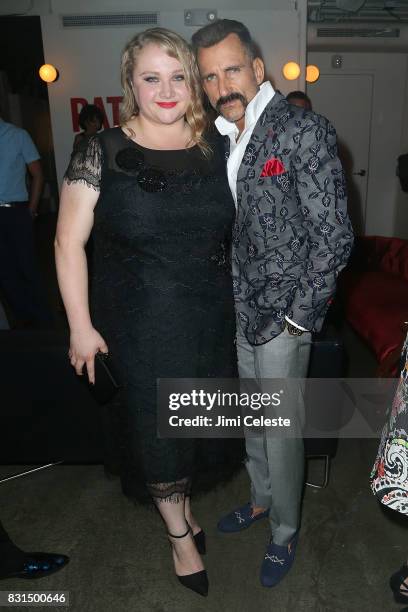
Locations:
(86, 165)
(389, 476)
(292, 234)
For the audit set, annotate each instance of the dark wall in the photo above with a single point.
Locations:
(21, 55)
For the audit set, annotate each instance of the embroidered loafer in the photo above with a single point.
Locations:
(240, 518)
(38, 565)
(277, 562)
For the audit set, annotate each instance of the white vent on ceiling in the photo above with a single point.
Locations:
(109, 19)
(358, 33)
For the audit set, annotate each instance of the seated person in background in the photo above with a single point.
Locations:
(299, 98)
(15, 563)
(90, 120)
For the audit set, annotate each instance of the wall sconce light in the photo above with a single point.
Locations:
(48, 73)
(312, 73)
(291, 71)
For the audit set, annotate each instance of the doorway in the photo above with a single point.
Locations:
(346, 100)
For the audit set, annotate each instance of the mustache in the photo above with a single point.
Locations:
(230, 98)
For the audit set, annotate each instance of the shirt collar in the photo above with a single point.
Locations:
(253, 111)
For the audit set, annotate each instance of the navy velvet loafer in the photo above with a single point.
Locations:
(239, 519)
(38, 565)
(277, 562)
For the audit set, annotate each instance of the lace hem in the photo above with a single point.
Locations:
(85, 181)
(170, 492)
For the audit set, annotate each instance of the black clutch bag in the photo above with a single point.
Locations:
(106, 386)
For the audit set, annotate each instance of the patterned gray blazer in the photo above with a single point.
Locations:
(292, 234)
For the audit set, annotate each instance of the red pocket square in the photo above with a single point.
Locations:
(273, 167)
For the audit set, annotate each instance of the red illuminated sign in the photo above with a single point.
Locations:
(78, 103)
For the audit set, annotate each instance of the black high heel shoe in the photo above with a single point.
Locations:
(199, 539)
(197, 582)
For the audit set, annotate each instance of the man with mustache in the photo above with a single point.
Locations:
(291, 239)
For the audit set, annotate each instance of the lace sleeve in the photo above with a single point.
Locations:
(86, 165)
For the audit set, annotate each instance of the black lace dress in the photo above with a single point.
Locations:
(162, 295)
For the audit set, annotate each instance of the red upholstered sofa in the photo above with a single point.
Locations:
(374, 292)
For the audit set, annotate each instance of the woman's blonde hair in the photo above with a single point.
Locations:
(175, 46)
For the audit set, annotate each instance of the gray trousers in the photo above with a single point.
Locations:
(276, 464)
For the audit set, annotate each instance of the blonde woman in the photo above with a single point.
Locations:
(155, 194)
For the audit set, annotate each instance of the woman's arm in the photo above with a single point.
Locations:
(75, 222)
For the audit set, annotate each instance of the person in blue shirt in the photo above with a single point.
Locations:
(20, 281)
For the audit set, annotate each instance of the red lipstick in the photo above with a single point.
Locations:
(166, 104)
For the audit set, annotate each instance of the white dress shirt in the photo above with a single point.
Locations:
(238, 142)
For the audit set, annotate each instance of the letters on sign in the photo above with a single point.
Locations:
(78, 103)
